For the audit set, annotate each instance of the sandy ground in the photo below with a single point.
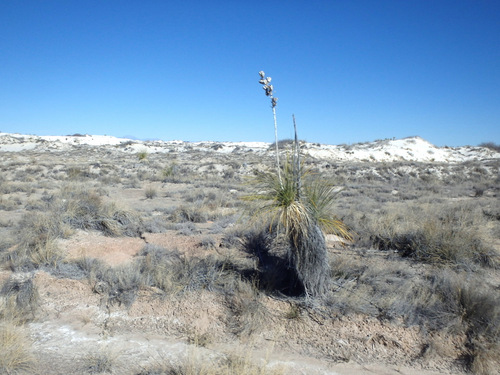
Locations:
(75, 325)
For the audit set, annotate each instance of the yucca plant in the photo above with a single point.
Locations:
(299, 205)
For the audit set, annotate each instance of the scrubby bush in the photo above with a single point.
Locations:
(15, 353)
(142, 155)
(450, 235)
(491, 145)
(456, 303)
(20, 299)
(228, 364)
(18, 305)
(118, 285)
(84, 208)
(37, 247)
(150, 192)
(173, 273)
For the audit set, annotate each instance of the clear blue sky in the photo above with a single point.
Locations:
(349, 70)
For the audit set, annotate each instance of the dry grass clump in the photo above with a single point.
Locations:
(83, 208)
(167, 270)
(456, 303)
(246, 312)
(491, 145)
(75, 207)
(150, 192)
(15, 353)
(116, 285)
(478, 308)
(193, 213)
(20, 299)
(199, 213)
(36, 247)
(99, 362)
(229, 364)
(18, 304)
(453, 234)
(173, 273)
(203, 205)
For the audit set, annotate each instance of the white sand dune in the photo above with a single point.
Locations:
(407, 149)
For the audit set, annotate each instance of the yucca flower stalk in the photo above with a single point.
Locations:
(268, 88)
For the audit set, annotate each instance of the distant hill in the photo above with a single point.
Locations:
(387, 150)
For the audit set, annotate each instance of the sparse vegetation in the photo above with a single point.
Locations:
(449, 234)
(417, 284)
(150, 192)
(142, 155)
(230, 364)
(491, 145)
(15, 355)
(19, 302)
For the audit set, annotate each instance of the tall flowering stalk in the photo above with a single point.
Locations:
(268, 88)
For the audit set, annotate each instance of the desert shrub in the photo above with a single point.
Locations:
(8, 187)
(452, 234)
(83, 208)
(150, 192)
(155, 224)
(122, 284)
(20, 298)
(228, 364)
(379, 288)
(170, 173)
(208, 242)
(99, 362)
(491, 145)
(246, 313)
(93, 268)
(142, 155)
(18, 305)
(460, 304)
(36, 246)
(174, 273)
(192, 213)
(222, 223)
(66, 269)
(10, 204)
(478, 308)
(118, 285)
(74, 173)
(15, 353)
(186, 228)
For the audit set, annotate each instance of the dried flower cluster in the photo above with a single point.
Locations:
(268, 88)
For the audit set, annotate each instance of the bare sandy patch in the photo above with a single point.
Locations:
(112, 250)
